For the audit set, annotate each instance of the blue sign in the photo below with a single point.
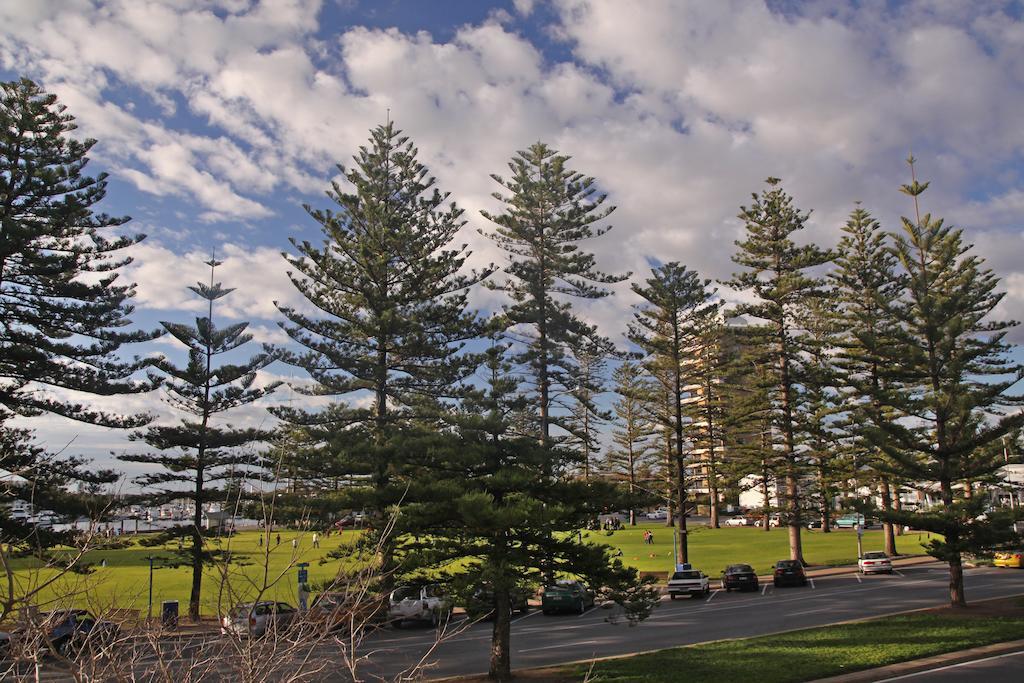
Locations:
(303, 576)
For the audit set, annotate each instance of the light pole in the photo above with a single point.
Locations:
(860, 547)
(150, 613)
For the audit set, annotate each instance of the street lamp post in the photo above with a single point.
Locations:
(860, 547)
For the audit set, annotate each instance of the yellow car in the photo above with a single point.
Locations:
(1013, 558)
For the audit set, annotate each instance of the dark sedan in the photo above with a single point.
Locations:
(739, 576)
(789, 573)
(70, 632)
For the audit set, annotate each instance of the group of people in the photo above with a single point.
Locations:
(648, 537)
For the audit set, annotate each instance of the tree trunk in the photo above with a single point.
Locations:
(897, 505)
(197, 551)
(501, 662)
(766, 507)
(956, 583)
(887, 526)
(683, 546)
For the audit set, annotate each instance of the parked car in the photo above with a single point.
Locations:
(688, 582)
(874, 562)
(255, 619)
(419, 603)
(850, 521)
(566, 595)
(739, 576)
(789, 572)
(739, 520)
(816, 524)
(660, 513)
(480, 605)
(69, 632)
(5, 645)
(1011, 558)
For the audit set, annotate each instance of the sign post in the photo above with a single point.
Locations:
(860, 535)
(303, 589)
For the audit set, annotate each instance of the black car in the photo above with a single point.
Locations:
(739, 576)
(480, 604)
(789, 572)
(69, 632)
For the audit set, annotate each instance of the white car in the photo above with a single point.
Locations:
(660, 513)
(257, 618)
(875, 562)
(688, 582)
(737, 521)
(419, 603)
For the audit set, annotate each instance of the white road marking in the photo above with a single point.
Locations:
(897, 571)
(764, 589)
(561, 645)
(711, 597)
(526, 616)
(859, 580)
(812, 583)
(952, 666)
(812, 611)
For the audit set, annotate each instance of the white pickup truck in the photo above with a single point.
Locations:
(688, 582)
(419, 603)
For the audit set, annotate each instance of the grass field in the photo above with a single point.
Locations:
(712, 549)
(123, 582)
(808, 654)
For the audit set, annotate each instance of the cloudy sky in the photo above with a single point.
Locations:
(218, 119)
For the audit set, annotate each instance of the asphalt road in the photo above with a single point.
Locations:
(539, 640)
(1005, 667)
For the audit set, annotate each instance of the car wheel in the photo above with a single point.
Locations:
(777, 583)
(707, 590)
(397, 623)
(546, 612)
(671, 596)
(581, 608)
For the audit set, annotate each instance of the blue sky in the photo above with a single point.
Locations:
(218, 119)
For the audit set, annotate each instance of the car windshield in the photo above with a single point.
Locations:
(686, 575)
(787, 564)
(739, 569)
(875, 556)
(406, 593)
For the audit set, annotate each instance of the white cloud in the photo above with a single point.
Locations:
(679, 109)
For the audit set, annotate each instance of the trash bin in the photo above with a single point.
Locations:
(169, 613)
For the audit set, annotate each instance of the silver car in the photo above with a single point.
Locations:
(257, 618)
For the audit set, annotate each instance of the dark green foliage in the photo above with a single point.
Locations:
(946, 402)
(63, 312)
(201, 458)
(549, 210)
(778, 276)
(487, 513)
(388, 282)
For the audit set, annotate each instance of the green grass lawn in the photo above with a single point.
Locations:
(712, 549)
(123, 582)
(811, 653)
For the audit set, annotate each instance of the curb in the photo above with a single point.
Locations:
(920, 665)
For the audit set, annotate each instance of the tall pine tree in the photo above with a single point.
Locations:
(388, 341)
(201, 458)
(666, 327)
(942, 415)
(64, 312)
(866, 286)
(549, 210)
(776, 277)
